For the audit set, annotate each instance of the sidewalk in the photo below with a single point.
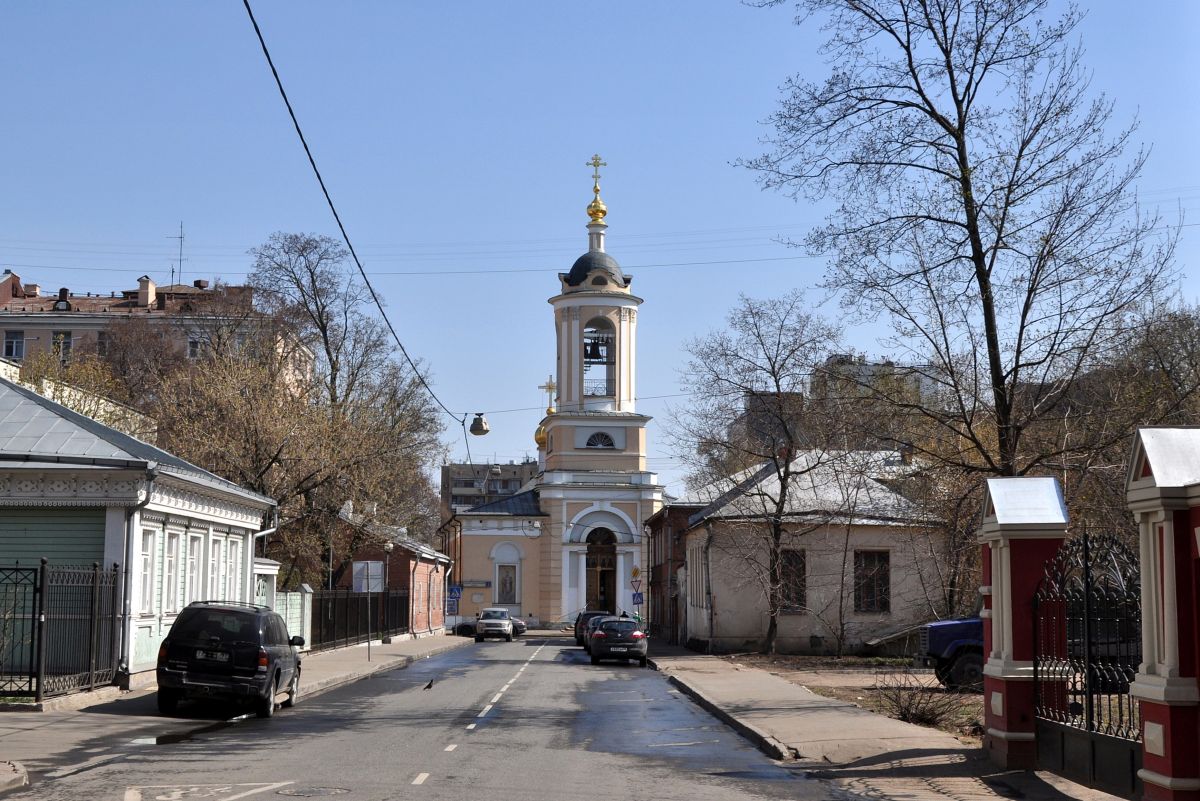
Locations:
(859, 751)
(67, 730)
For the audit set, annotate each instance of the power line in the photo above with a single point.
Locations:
(337, 218)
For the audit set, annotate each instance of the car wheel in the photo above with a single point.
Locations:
(967, 672)
(579, 641)
(478, 638)
(508, 638)
(642, 661)
(293, 691)
(595, 660)
(265, 707)
(168, 701)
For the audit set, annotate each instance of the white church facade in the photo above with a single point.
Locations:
(572, 538)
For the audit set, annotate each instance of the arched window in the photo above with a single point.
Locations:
(600, 440)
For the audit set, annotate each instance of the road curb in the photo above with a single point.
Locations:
(763, 741)
(12, 777)
(400, 663)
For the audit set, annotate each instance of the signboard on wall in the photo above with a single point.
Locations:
(368, 577)
(452, 606)
(476, 583)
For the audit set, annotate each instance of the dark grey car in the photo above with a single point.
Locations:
(589, 629)
(618, 638)
(223, 650)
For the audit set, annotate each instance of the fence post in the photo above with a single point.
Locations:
(94, 626)
(114, 617)
(40, 622)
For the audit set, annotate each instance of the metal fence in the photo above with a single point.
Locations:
(342, 617)
(59, 628)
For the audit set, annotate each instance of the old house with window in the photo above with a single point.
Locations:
(76, 492)
(572, 538)
(856, 559)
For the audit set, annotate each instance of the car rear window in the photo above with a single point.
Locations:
(215, 624)
(623, 626)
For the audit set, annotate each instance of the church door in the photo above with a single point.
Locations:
(602, 570)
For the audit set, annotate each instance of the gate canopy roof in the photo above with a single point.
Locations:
(1026, 501)
(1173, 456)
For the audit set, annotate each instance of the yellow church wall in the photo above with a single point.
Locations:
(477, 567)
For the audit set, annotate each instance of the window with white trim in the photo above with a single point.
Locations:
(600, 440)
(216, 570)
(195, 558)
(233, 584)
(148, 572)
(171, 573)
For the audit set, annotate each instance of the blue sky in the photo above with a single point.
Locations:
(453, 138)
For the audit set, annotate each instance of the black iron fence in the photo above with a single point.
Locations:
(342, 617)
(59, 628)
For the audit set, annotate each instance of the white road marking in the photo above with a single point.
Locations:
(486, 709)
(496, 699)
(470, 726)
(504, 689)
(450, 747)
(210, 791)
(421, 777)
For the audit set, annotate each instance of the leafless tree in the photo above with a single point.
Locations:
(986, 208)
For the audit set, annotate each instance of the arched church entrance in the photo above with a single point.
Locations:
(602, 570)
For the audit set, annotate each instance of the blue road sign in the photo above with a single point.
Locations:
(638, 599)
(455, 592)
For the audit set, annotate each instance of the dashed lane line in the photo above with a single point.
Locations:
(486, 709)
(470, 726)
(496, 697)
(450, 747)
(421, 777)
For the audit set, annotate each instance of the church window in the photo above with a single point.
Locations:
(600, 440)
(599, 280)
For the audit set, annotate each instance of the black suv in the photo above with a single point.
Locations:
(230, 651)
(581, 621)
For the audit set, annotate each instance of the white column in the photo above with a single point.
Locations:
(1149, 596)
(622, 600)
(1170, 613)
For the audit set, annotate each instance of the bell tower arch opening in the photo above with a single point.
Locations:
(601, 591)
(599, 359)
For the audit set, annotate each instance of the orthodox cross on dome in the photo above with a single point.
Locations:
(596, 209)
(549, 388)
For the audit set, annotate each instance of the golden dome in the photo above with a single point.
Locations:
(540, 437)
(596, 209)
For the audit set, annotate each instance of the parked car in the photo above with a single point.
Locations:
(581, 621)
(618, 638)
(228, 651)
(590, 627)
(519, 626)
(493, 622)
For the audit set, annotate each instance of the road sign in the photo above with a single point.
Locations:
(636, 584)
(455, 592)
(636, 572)
(638, 599)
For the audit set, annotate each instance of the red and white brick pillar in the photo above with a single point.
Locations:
(1163, 491)
(1024, 525)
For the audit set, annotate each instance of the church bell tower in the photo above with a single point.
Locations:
(592, 442)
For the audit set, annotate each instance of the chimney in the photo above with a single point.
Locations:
(161, 302)
(200, 283)
(146, 292)
(33, 290)
(64, 293)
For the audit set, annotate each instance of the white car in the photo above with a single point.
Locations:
(493, 622)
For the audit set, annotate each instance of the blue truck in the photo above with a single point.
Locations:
(954, 649)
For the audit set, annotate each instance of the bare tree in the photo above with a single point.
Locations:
(745, 384)
(985, 207)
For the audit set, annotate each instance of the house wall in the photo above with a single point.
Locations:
(64, 536)
(489, 543)
(426, 598)
(737, 556)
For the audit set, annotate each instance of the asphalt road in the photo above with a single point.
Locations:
(527, 721)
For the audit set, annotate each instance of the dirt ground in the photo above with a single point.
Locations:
(869, 682)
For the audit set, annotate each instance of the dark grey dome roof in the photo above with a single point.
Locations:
(595, 260)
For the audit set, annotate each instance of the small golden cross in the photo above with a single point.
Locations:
(549, 388)
(596, 164)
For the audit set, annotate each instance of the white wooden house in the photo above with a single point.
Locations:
(74, 491)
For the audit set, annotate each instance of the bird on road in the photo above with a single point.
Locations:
(428, 686)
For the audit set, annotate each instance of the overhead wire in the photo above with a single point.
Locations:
(462, 419)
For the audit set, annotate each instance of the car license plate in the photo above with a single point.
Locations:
(213, 656)
(618, 649)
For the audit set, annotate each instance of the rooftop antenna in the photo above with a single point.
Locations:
(180, 238)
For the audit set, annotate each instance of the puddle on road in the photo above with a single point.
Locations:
(191, 734)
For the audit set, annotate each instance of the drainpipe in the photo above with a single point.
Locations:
(708, 584)
(130, 541)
